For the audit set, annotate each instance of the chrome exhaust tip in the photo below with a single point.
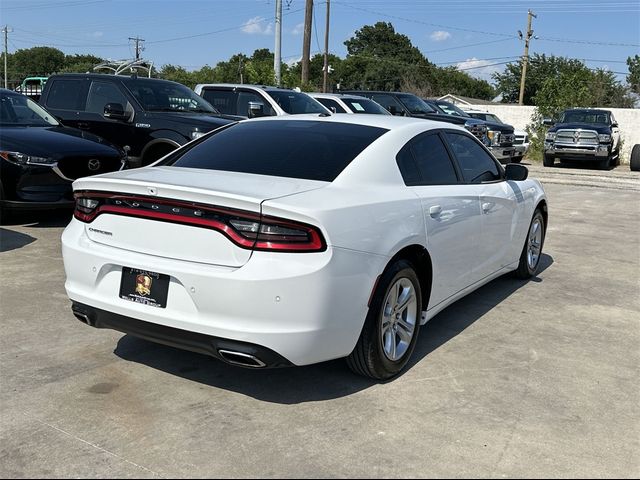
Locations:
(241, 359)
(84, 318)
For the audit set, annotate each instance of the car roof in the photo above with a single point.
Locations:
(102, 76)
(338, 95)
(245, 85)
(389, 122)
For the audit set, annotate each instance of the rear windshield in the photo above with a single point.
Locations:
(297, 149)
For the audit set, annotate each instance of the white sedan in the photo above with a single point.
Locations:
(291, 241)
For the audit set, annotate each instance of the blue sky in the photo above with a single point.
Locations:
(475, 35)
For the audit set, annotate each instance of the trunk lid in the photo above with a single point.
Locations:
(169, 195)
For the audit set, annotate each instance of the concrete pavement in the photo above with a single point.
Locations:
(519, 379)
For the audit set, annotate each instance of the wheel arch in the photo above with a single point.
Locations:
(420, 258)
(542, 206)
(155, 145)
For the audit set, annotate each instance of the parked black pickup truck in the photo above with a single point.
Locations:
(583, 135)
(410, 105)
(150, 116)
(501, 136)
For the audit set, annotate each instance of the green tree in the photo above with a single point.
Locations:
(37, 61)
(633, 79)
(80, 63)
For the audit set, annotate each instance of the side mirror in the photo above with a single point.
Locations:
(614, 125)
(115, 111)
(548, 122)
(515, 171)
(255, 110)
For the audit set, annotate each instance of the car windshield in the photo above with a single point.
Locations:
(415, 105)
(364, 105)
(310, 150)
(295, 103)
(451, 109)
(159, 96)
(581, 116)
(20, 110)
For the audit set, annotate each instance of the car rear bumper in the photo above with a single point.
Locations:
(306, 307)
(246, 354)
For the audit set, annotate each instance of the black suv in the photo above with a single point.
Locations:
(150, 116)
(583, 135)
(410, 105)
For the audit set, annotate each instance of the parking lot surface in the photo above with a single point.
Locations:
(525, 379)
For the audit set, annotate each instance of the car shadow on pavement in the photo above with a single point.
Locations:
(39, 219)
(10, 240)
(324, 381)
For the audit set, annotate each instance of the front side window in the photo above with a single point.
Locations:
(296, 149)
(414, 104)
(295, 102)
(387, 101)
(163, 96)
(67, 94)
(476, 164)
(102, 93)
(244, 98)
(451, 109)
(332, 105)
(19, 110)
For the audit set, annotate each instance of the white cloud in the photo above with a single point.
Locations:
(298, 29)
(479, 68)
(440, 36)
(256, 26)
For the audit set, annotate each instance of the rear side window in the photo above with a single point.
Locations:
(426, 161)
(476, 164)
(297, 149)
(67, 94)
(223, 100)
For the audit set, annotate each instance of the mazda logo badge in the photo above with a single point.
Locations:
(94, 164)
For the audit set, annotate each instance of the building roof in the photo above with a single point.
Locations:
(459, 99)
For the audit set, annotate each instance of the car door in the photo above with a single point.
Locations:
(66, 98)
(498, 203)
(92, 119)
(451, 211)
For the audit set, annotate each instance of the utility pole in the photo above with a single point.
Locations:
(325, 78)
(277, 59)
(139, 47)
(6, 31)
(525, 57)
(306, 41)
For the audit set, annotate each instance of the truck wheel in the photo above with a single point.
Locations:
(517, 159)
(548, 160)
(635, 158)
(605, 164)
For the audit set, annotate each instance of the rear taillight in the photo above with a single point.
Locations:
(246, 229)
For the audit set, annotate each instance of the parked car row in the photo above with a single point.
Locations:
(140, 120)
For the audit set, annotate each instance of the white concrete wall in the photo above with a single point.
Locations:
(520, 117)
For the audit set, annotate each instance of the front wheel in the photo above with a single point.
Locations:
(391, 328)
(516, 159)
(532, 250)
(548, 160)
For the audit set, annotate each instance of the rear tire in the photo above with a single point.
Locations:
(532, 249)
(548, 160)
(391, 328)
(635, 158)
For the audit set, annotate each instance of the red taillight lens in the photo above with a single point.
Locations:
(245, 229)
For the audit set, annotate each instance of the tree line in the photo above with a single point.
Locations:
(379, 58)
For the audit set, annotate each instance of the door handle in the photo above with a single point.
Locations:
(486, 207)
(83, 125)
(435, 210)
